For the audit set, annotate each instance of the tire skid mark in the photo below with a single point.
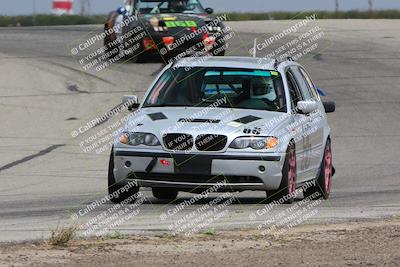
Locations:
(72, 87)
(68, 94)
(82, 72)
(30, 157)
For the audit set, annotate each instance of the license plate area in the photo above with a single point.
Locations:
(189, 164)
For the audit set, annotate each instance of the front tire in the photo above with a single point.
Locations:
(287, 187)
(323, 180)
(117, 190)
(165, 193)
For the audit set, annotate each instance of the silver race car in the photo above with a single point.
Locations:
(232, 123)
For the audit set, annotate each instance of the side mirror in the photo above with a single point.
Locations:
(209, 10)
(329, 106)
(131, 102)
(307, 106)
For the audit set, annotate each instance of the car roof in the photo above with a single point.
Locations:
(227, 62)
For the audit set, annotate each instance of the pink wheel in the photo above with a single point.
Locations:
(328, 168)
(289, 178)
(323, 180)
(292, 173)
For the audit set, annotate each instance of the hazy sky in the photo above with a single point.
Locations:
(13, 7)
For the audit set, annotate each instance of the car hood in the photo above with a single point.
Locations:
(195, 121)
(174, 17)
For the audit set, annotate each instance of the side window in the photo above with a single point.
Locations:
(295, 94)
(302, 83)
(310, 84)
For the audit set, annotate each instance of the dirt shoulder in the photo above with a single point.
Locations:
(351, 243)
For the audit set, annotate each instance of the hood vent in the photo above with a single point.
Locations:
(157, 116)
(199, 120)
(247, 119)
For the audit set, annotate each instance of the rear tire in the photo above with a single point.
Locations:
(289, 176)
(114, 188)
(165, 193)
(323, 180)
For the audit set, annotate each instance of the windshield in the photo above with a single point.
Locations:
(169, 6)
(220, 87)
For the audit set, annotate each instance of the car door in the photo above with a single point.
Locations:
(302, 144)
(312, 127)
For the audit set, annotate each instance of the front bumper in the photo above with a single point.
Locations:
(188, 171)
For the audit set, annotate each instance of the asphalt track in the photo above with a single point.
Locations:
(45, 94)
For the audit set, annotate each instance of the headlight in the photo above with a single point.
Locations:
(135, 139)
(256, 143)
(151, 140)
(240, 143)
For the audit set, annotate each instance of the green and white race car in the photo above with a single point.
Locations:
(166, 28)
